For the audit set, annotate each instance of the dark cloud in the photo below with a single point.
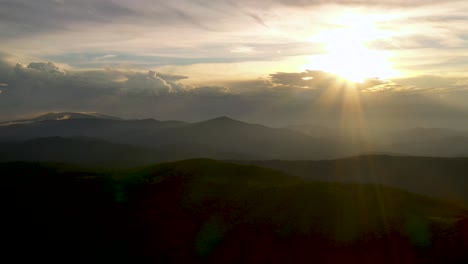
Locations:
(19, 17)
(309, 79)
(44, 86)
(319, 80)
(6, 68)
(48, 67)
(24, 17)
(170, 77)
(282, 98)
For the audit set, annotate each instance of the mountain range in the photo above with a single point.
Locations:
(219, 138)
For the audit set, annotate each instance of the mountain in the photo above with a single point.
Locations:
(61, 116)
(205, 211)
(72, 115)
(424, 134)
(456, 146)
(419, 141)
(217, 138)
(228, 135)
(115, 130)
(434, 142)
(439, 177)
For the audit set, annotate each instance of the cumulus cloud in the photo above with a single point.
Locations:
(44, 86)
(150, 83)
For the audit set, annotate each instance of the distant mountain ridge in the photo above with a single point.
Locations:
(227, 138)
(73, 115)
(212, 138)
(61, 116)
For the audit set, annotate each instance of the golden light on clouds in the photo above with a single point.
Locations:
(347, 54)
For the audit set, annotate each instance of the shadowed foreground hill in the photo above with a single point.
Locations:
(440, 177)
(204, 211)
(90, 152)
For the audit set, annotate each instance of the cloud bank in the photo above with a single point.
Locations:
(282, 98)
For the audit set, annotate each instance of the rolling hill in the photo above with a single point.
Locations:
(205, 211)
(439, 177)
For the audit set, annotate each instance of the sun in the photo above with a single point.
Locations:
(346, 52)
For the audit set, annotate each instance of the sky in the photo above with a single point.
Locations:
(275, 62)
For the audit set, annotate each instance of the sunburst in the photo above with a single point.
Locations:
(347, 54)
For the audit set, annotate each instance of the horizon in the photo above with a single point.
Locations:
(107, 116)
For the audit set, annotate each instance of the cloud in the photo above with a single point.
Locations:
(151, 83)
(281, 98)
(319, 80)
(309, 79)
(44, 86)
(135, 61)
(170, 77)
(242, 50)
(34, 17)
(434, 83)
(257, 18)
(48, 67)
(387, 3)
(143, 34)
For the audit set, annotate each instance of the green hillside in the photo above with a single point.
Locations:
(205, 211)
